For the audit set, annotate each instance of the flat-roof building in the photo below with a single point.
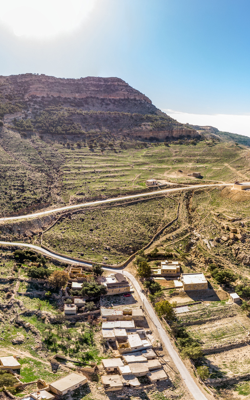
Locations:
(112, 382)
(139, 369)
(118, 324)
(76, 286)
(109, 314)
(131, 380)
(9, 363)
(194, 282)
(167, 268)
(115, 284)
(158, 375)
(111, 364)
(67, 384)
(236, 299)
(42, 394)
(79, 302)
(70, 309)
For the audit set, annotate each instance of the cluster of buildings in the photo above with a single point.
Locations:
(167, 268)
(115, 283)
(60, 387)
(134, 354)
(187, 282)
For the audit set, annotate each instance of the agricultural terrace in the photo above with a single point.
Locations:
(73, 172)
(111, 234)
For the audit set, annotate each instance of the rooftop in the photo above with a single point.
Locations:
(134, 358)
(131, 380)
(112, 380)
(110, 311)
(42, 394)
(193, 278)
(112, 362)
(68, 381)
(159, 374)
(139, 368)
(76, 285)
(9, 362)
(234, 296)
(118, 324)
(125, 370)
(134, 340)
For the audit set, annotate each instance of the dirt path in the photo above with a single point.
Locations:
(242, 176)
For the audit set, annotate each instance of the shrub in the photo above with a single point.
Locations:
(7, 379)
(203, 372)
(38, 272)
(97, 270)
(58, 279)
(68, 301)
(93, 289)
(90, 306)
(166, 309)
(243, 290)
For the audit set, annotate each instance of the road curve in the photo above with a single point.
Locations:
(112, 200)
(187, 378)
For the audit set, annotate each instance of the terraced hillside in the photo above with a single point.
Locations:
(35, 174)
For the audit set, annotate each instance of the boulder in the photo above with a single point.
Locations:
(19, 339)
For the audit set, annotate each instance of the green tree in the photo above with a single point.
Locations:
(193, 351)
(143, 269)
(203, 372)
(90, 306)
(166, 309)
(243, 290)
(58, 279)
(97, 270)
(93, 289)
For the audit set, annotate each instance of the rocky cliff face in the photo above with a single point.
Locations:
(75, 109)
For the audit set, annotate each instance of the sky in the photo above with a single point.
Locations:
(190, 57)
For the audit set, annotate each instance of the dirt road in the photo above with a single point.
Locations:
(112, 200)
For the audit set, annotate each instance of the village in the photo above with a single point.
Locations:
(136, 357)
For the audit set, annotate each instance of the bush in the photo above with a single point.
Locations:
(68, 301)
(93, 289)
(143, 268)
(189, 347)
(153, 287)
(222, 276)
(97, 270)
(193, 351)
(58, 279)
(7, 379)
(38, 272)
(90, 306)
(166, 309)
(203, 372)
(243, 290)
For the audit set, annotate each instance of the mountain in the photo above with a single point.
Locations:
(224, 136)
(84, 109)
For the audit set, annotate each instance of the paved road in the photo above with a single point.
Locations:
(98, 202)
(187, 378)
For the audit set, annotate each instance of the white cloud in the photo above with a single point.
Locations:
(43, 18)
(224, 122)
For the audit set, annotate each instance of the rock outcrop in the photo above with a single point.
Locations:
(75, 109)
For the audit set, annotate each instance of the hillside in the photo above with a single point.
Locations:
(84, 109)
(224, 136)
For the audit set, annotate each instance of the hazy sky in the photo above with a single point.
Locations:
(190, 56)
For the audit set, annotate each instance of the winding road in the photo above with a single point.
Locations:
(185, 374)
(113, 200)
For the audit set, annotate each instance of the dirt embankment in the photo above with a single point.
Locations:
(235, 195)
(26, 229)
